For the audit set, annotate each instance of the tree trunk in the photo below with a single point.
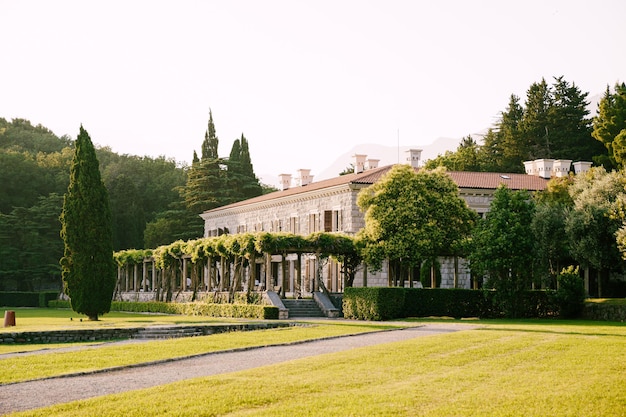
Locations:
(433, 275)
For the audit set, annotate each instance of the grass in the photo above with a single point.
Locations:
(535, 368)
(608, 301)
(40, 319)
(50, 363)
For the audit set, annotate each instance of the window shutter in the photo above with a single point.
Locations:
(328, 221)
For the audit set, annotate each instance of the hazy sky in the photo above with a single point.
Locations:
(304, 81)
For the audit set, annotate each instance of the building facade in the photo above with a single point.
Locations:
(302, 206)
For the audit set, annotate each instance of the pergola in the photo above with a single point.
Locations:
(229, 264)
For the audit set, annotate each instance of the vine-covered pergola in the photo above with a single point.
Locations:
(227, 264)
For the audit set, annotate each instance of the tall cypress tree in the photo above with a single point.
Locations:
(251, 187)
(206, 185)
(88, 268)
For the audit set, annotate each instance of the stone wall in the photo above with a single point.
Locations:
(91, 335)
(447, 273)
(604, 312)
(63, 336)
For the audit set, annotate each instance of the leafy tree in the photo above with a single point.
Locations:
(556, 192)
(30, 246)
(592, 226)
(610, 123)
(412, 216)
(126, 214)
(571, 293)
(19, 135)
(502, 248)
(178, 223)
(88, 268)
(465, 158)
(548, 227)
(140, 188)
(23, 181)
(551, 249)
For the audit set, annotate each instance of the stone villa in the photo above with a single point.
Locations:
(303, 206)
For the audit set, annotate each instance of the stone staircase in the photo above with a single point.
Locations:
(302, 308)
(167, 332)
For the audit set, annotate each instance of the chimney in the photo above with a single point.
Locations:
(413, 157)
(561, 167)
(285, 181)
(371, 164)
(530, 167)
(305, 177)
(544, 167)
(359, 163)
(581, 166)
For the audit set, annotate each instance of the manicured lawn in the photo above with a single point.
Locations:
(50, 363)
(39, 319)
(526, 368)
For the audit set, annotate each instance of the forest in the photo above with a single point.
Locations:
(156, 201)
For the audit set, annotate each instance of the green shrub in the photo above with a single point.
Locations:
(46, 296)
(396, 302)
(570, 296)
(25, 299)
(440, 302)
(373, 303)
(248, 311)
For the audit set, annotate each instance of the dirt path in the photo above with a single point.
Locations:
(41, 393)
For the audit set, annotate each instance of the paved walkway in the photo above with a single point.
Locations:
(41, 393)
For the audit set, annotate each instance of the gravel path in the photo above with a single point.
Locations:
(41, 393)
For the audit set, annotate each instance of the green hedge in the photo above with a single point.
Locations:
(373, 303)
(247, 311)
(391, 303)
(439, 302)
(27, 299)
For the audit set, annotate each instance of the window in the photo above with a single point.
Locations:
(332, 220)
(276, 226)
(314, 222)
(294, 226)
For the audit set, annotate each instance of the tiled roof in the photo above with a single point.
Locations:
(475, 180)
(491, 180)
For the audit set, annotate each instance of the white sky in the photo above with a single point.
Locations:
(305, 81)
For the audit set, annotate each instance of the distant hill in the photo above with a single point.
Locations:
(387, 154)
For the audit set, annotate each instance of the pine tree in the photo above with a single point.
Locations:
(610, 121)
(514, 147)
(210, 144)
(535, 126)
(234, 175)
(206, 183)
(570, 134)
(252, 187)
(88, 268)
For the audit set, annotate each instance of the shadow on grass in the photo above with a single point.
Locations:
(569, 327)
